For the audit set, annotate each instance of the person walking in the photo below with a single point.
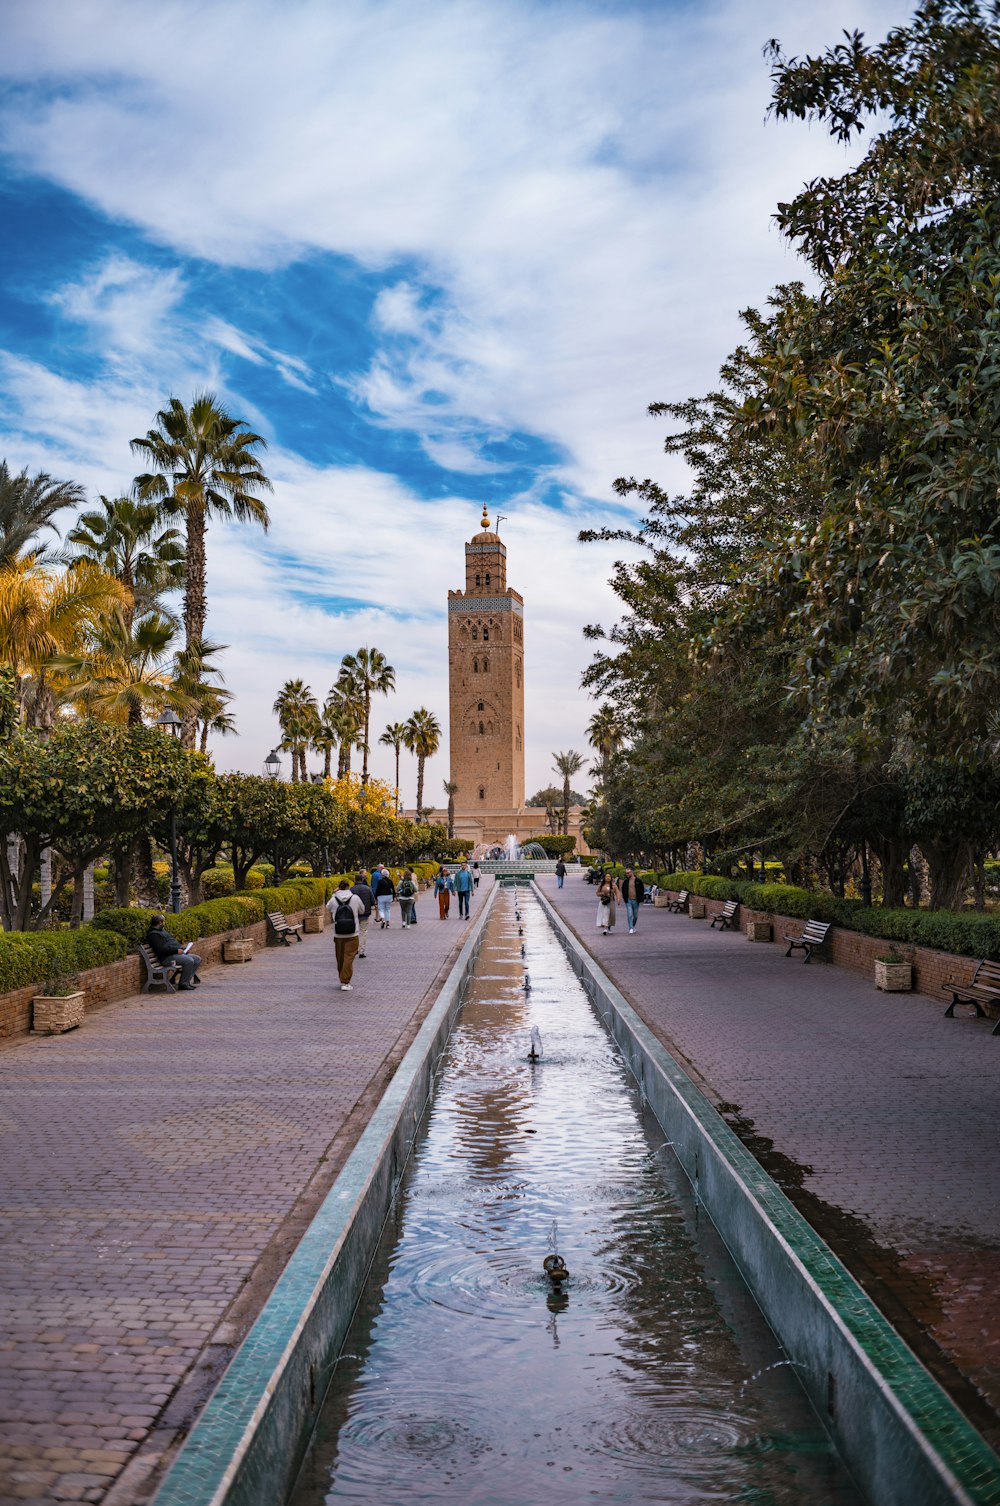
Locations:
(166, 946)
(407, 894)
(608, 899)
(560, 873)
(442, 888)
(346, 909)
(463, 888)
(363, 890)
(385, 893)
(475, 875)
(632, 891)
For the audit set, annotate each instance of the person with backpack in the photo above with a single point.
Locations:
(385, 893)
(346, 909)
(363, 890)
(407, 896)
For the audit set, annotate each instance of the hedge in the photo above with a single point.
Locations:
(32, 956)
(943, 930)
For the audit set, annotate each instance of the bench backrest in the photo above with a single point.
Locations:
(816, 931)
(277, 920)
(730, 907)
(682, 898)
(153, 963)
(987, 975)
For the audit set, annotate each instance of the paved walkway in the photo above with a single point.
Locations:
(877, 1116)
(158, 1168)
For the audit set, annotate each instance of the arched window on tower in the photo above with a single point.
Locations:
(475, 635)
(482, 793)
(486, 666)
(487, 577)
(517, 670)
(486, 635)
(478, 581)
(481, 729)
(481, 706)
(475, 666)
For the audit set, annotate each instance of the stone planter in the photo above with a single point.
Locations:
(313, 920)
(662, 901)
(758, 930)
(237, 950)
(894, 977)
(696, 908)
(51, 1016)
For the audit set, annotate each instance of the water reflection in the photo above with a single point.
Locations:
(649, 1377)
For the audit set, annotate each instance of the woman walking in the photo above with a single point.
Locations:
(407, 896)
(442, 888)
(608, 898)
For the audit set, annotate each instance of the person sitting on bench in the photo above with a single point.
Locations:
(166, 946)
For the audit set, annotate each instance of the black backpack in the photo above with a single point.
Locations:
(343, 920)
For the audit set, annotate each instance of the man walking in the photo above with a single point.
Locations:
(463, 888)
(560, 873)
(345, 910)
(363, 890)
(632, 891)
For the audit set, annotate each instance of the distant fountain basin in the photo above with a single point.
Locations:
(512, 852)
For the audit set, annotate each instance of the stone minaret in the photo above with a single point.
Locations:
(486, 686)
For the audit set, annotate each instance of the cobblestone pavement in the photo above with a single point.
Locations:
(158, 1167)
(876, 1115)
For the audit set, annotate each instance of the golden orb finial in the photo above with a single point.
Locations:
(484, 522)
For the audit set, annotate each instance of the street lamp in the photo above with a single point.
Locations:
(169, 721)
(272, 764)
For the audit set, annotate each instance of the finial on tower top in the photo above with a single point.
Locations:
(485, 523)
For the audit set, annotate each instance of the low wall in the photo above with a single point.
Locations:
(857, 952)
(120, 980)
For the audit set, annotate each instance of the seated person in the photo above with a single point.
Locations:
(164, 946)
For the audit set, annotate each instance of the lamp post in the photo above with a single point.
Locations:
(169, 721)
(272, 764)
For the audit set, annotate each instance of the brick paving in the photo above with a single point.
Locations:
(158, 1167)
(877, 1116)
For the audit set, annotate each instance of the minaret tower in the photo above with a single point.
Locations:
(486, 686)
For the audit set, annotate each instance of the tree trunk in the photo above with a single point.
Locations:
(917, 879)
(364, 753)
(143, 879)
(326, 762)
(949, 864)
(195, 605)
(121, 877)
(891, 855)
(420, 786)
(204, 736)
(399, 803)
(76, 909)
(979, 882)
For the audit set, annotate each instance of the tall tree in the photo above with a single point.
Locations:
(121, 674)
(130, 541)
(344, 711)
(202, 463)
(567, 764)
(298, 716)
(370, 673)
(423, 738)
(451, 790)
(605, 733)
(27, 506)
(394, 737)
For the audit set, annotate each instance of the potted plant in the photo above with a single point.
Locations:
(312, 920)
(696, 907)
(893, 974)
(59, 1006)
(758, 930)
(238, 948)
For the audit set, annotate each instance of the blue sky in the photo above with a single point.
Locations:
(438, 255)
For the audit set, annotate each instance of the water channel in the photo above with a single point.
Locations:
(467, 1377)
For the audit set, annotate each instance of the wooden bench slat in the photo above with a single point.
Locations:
(813, 937)
(727, 915)
(283, 928)
(984, 985)
(677, 905)
(155, 972)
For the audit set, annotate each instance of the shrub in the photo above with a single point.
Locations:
(132, 923)
(256, 878)
(32, 956)
(216, 882)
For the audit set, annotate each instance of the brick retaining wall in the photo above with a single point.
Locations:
(857, 952)
(120, 980)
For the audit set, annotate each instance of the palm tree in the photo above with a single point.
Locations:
(325, 739)
(567, 764)
(451, 790)
(298, 716)
(27, 505)
(394, 737)
(128, 540)
(202, 463)
(423, 738)
(198, 683)
(44, 614)
(370, 673)
(120, 676)
(344, 710)
(605, 733)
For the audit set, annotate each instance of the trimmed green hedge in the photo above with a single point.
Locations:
(965, 935)
(32, 956)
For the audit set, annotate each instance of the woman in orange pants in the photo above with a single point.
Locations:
(442, 888)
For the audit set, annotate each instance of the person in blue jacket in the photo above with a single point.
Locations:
(443, 887)
(463, 888)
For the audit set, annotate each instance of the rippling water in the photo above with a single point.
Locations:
(467, 1378)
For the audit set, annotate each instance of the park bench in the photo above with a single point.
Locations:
(680, 903)
(726, 917)
(156, 972)
(283, 928)
(810, 941)
(985, 986)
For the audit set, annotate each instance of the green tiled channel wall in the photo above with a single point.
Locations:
(901, 1436)
(247, 1446)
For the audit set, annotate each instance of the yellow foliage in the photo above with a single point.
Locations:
(376, 798)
